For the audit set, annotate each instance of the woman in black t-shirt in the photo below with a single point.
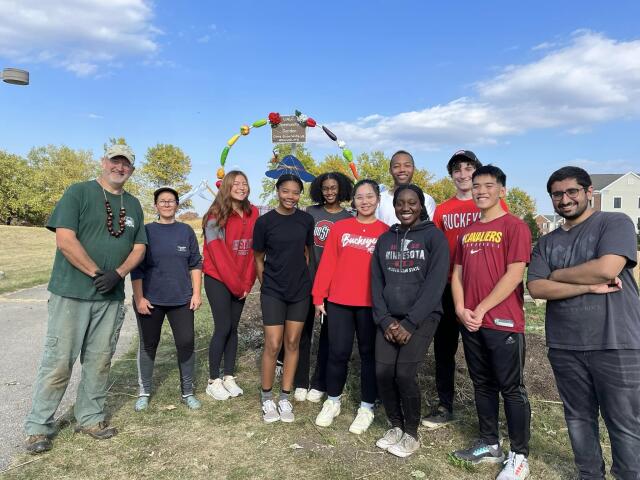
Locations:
(281, 242)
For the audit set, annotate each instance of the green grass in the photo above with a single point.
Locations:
(229, 440)
(26, 256)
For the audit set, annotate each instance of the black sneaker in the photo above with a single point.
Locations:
(439, 417)
(38, 444)
(480, 452)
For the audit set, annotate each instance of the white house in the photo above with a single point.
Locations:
(617, 192)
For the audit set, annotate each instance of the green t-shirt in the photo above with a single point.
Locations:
(82, 210)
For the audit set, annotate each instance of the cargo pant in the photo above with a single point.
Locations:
(75, 327)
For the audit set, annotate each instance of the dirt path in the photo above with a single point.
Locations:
(23, 323)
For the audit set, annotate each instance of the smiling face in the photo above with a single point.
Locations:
(166, 206)
(487, 191)
(574, 200)
(365, 200)
(401, 169)
(461, 176)
(116, 171)
(289, 194)
(239, 190)
(330, 190)
(408, 208)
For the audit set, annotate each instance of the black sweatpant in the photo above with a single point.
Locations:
(343, 323)
(445, 346)
(319, 378)
(150, 328)
(396, 374)
(495, 360)
(605, 382)
(226, 310)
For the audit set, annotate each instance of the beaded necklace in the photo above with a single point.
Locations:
(121, 216)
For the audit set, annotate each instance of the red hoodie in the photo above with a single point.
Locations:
(228, 256)
(344, 273)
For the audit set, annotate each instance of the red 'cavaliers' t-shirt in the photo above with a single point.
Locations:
(454, 215)
(484, 251)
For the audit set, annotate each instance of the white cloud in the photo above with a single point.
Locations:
(94, 116)
(204, 39)
(544, 46)
(605, 166)
(591, 79)
(78, 35)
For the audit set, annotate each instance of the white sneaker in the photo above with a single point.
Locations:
(361, 423)
(270, 411)
(300, 394)
(516, 467)
(405, 447)
(330, 410)
(390, 438)
(314, 396)
(216, 390)
(231, 386)
(286, 411)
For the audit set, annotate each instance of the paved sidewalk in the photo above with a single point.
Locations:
(23, 323)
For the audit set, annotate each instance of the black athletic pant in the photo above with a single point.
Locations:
(445, 346)
(396, 374)
(149, 328)
(605, 382)
(345, 322)
(319, 378)
(495, 360)
(226, 310)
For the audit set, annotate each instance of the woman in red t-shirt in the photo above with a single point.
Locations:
(229, 275)
(344, 279)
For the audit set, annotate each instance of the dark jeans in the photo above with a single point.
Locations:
(150, 327)
(605, 381)
(226, 310)
(396, 373)
(345, 322)
(445, 346)
(495, 360)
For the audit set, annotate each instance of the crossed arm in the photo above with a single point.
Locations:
(595, 276)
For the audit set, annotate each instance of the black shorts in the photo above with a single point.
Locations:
(276, 311)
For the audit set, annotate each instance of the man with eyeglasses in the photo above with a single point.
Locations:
(100, 238)
(584, 271)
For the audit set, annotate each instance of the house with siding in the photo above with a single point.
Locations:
(617, 192)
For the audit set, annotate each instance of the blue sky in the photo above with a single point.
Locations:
(527, 86)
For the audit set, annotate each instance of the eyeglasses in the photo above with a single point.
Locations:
(361, 198)
(122, 162)
(572, 193)
(332, 188)
(167, 203)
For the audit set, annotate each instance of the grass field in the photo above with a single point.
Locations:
(26, 256)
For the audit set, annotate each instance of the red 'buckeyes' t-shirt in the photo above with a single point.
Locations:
(453, 216)
(484, 251)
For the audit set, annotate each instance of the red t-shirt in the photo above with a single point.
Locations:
(454, 215)
(344, 273)
(484, 251)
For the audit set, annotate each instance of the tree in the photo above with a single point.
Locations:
(519, 202)
(533, 226)
(52, 170)
(442, 190)
(165, 165)
(15, 188)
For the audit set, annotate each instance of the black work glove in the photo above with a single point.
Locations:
(106, 281)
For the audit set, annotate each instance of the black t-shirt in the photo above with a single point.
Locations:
(283, 238)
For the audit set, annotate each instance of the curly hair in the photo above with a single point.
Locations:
(222, 205)
(345, 187)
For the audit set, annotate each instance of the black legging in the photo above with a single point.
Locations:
(226, 310)
(345, 321)
(150, 327)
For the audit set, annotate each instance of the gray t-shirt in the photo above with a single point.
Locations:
(323, 221)
(591, 321)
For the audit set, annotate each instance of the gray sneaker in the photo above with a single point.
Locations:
(270, 411)
(286, 411)
(480, 452)
(393, 436)
(407, 445)
(439, 417)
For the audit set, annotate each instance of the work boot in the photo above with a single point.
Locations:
(38, 444)
(99, 431)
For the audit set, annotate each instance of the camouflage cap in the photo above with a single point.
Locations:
(121, 151)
